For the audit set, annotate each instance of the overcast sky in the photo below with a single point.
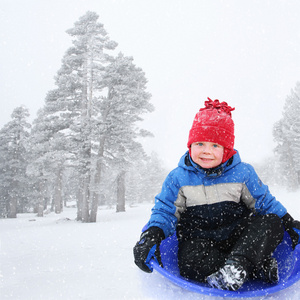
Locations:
(246, 53)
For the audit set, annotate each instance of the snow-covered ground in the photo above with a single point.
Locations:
(55, 257)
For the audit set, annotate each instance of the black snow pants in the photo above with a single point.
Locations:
(250, 243)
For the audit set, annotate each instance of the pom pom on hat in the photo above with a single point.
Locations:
(213, 123)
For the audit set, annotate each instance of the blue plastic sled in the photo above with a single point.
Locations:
(288, 263)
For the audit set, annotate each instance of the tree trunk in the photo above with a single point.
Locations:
(121, 192)
(41, 200)
(79, 201)
(94, 207)
(40, 210)
(85, 201)
(57, 192)
(12, 208)
(95, 196)
(97, 180)
(86, 153)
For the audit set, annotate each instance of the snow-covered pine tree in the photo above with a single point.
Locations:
(13, 163)
(83, 66)
(49, 152)
(66, 124)
(286, 133)
(120, 110)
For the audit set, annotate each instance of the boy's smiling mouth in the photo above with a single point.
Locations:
(206, 159)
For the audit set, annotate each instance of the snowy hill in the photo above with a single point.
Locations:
(55, 257)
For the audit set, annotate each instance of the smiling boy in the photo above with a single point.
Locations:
(227, 222)
(206, 154)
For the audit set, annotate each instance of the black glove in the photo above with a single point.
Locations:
(292, 227)
(148, 248)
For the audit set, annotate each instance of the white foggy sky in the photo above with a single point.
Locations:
(246, 53)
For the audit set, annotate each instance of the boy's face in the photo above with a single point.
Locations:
(207, 154)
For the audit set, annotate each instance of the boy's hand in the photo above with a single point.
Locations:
(148, 248)
(292, 227)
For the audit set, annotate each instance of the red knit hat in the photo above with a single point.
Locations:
(213, 123)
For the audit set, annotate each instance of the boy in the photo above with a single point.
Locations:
(226, 220)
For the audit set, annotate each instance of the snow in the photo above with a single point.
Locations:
(55, 257)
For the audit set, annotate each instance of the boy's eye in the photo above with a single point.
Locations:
(215, 145)
(200, 144)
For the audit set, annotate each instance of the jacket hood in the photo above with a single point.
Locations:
(187, 163)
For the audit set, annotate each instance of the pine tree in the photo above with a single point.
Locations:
(286, 133)
(49, 152)
(13, 163)
(120, 110)
(66, 125)
(87, 61)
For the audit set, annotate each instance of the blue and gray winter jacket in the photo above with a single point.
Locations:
(210, 203)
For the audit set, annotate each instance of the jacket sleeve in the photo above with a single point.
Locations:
(265, 202)
(163, 212)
